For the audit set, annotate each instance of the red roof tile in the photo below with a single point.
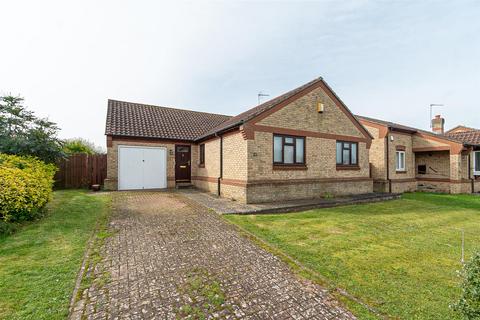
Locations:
(141, 120)
(401, 127)
(468, 137)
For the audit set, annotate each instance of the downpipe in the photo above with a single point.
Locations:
(219, 181)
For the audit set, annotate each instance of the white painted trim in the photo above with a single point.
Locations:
(397, 152)
(476, 171)
(142, 147)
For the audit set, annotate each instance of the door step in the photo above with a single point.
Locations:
(183, 185)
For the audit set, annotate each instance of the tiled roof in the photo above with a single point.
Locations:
(255, 111)
(141, 120)
(460, 128)
(401, 127)
(468, 137)
(388, 124)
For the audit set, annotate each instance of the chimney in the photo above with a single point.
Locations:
(438, 124)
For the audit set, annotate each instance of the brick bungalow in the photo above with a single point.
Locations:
(408, 159)
(303, 144)
(470, 137)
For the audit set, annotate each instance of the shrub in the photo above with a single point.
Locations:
(469, 303)
(79, 145)
(25, 187)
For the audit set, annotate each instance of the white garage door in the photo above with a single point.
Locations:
(142, 168)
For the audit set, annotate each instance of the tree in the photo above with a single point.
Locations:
(79, 145)
(22, 133)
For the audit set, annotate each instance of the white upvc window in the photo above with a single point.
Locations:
(400, 160)
(476, 163)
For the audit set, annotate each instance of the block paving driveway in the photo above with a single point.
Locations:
(171, 258)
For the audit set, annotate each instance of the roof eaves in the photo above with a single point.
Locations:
(399, 127)
(217, 132)
(151, 137)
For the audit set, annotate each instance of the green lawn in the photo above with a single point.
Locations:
(39, 263)
(399, 256)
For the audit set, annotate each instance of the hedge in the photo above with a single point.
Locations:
(25, 187)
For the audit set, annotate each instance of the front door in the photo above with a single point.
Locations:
(182, 163)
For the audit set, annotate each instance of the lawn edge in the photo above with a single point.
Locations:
(305, 272)
(81, 272)
(100, 225)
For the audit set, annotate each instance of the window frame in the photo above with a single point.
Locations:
(397, 161)
(476, 171)
(294, 144)
(350, 164)
(201, 155)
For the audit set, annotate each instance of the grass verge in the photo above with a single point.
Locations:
(39, 263)
(400, 257)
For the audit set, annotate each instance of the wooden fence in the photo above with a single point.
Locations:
(81, 171)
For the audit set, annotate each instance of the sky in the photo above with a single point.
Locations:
(385, 59)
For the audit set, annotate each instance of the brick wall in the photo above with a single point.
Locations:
(380, 186)
(205, 177)
(433, 186)
(237, 193)
(401, 140)
(111, 182)
(465, 166)
(267, 183)
(235, 154)
(234, 166)
(476, 183)
(401, 181)
(437, 162)
(377, 154)
(464, 187)
(205, 185)
(440, 164)
(212, 159)
(302, 114)
(449, 169)
(438, 167)
(320, 160)
(404, 186)
(286, 191)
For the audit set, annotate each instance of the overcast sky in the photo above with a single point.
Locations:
(385, 59)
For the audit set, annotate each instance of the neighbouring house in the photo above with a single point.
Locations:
(303, 144)
(408, 159)
(470, 137)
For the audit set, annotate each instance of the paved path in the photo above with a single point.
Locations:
(171, 258)
(227, 206)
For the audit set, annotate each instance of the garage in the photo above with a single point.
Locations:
(142, 168)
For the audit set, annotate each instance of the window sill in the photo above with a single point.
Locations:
(401, 171)
(289, 167)
(201, 165)
(347, 167)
